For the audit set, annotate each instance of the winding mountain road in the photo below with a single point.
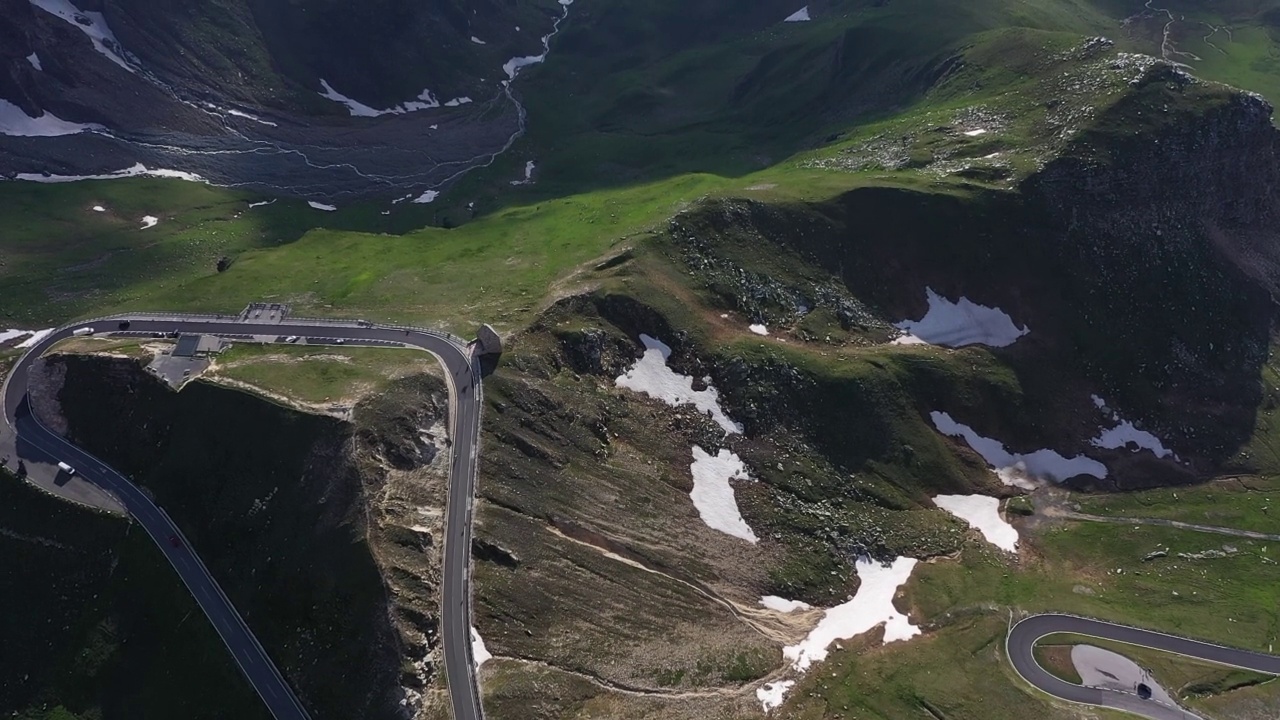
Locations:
(1020, 644)
(33, 451)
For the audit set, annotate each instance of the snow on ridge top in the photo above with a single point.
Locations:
(92, 24)
(713, 496)
(651, 376)
(16, 122)
(983, 513)
(1012, 467)
(801, 15)
(871, 606)
(960, 323)
(773, 602)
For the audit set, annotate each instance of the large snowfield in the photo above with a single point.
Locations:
(983, 513)
(872, 605)
(92, 24)
(960, 323)
(15, 121)
(1015, 468)
(713, 496)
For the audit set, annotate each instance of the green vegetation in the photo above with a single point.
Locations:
(319, 375)
(1237, 503)
(1056, 658)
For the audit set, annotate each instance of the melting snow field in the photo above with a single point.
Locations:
(1012, 467)
(771, 694)
(426, 100)
(759, 329)
(479, 653)
(92, 24)
(98, 208)
(15, 121)
(426, 197)
(983, 513)
(801, 15)
(871, 606)
(975, 133)
(321, 206)
(651, 376)
(477, 40)
(713, 496)
(137, 170)
(773, 602)
(36, 336)
(513, 66)
(149, 221)
(261, 203)
(528, 174)
(35, 61)
(1124, 433)
(956, 324)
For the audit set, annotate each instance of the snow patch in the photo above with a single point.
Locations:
(528, 174)
(7, 335)
(261, 203)
(651, 376)
(908, 339)
(247, 116)
(35, 338)
(92, 24)
(149, 221)
(713, 496)
(426, 100)
(98, 208)
(758, 329)
(773, 602)
(871, 606)
(983, 513)
(513, 66)
(34, 59)
(1015, 468)
(137, 170)
(1126, 432)
(321, 206)
(15, 121)
(955, 324)
(976, 132)
(479, 654)
(478, 41)
(801, 15)
(771, 694)
(426, 197)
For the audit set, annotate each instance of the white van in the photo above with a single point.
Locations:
(66, 468)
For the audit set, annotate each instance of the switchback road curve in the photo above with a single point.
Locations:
(1020, 644)
(38, 450)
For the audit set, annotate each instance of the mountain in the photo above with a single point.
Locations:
(916, 313)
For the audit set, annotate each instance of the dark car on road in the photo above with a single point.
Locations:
(124, 325)
(175, 541)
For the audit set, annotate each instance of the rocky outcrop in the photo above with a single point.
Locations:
(1162, 221)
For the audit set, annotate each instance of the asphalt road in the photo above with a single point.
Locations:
(1023, 637)
(40, 449)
